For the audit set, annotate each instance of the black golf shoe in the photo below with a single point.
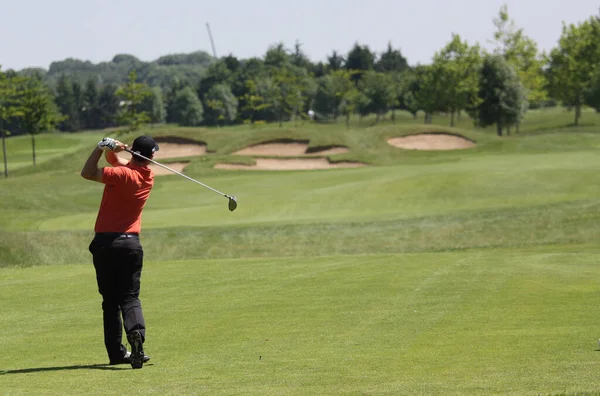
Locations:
(127, 359)
(137, 349)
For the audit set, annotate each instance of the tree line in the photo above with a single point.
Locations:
(494, 87)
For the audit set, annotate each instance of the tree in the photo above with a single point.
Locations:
(132, 95)
(332, 92)
(298, 58)
(78, 103)
(592, 93)
(39, 112)
(154, 105)
(290, 82)
(573, 63)
(456, 67)
(391, 60)
(335, 61)
(429, 83)
(66, 104)
(503, 99)
(521, 52)
(379, 93)
(277, 56)
(359, 60)
(90, 105)
(10, 107)
(217, 73)
(187, 108)
(220, 105)
(108, 107)
(257, 100)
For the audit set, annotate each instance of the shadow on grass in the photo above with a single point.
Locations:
(63, 368)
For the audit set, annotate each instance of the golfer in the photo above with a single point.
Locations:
(116, 249)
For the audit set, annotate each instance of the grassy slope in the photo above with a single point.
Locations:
(467, 272)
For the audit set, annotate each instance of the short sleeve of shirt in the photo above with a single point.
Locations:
(114, 175)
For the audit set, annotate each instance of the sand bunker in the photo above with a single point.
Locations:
(289, 148)
(174, 147)
(432, 141)
(158, 171)
(291, 164)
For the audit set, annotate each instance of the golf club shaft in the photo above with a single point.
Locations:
(174, 171)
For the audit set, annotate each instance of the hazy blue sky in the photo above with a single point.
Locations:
(37, 32)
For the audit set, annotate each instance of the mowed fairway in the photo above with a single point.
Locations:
(452, 273)
(476, 322)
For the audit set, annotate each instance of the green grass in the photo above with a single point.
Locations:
(474, 322)
(448, 273)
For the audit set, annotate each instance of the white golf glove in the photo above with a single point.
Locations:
(107, 143)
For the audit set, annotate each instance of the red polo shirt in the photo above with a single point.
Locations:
(125, 193)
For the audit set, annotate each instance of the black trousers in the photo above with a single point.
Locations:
(118, 260)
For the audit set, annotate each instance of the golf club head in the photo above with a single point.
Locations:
(232, 203)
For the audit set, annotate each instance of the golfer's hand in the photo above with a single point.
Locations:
(111, 144)
(107, 144)
(119, 146)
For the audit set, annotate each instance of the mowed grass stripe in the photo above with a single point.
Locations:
(504, 322)
(572, 223)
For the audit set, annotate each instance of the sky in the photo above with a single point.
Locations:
(34, 33)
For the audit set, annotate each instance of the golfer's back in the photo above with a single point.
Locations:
(125, 193)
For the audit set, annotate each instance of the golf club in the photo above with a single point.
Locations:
(232, 202)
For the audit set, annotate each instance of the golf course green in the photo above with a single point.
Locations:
(446, 272)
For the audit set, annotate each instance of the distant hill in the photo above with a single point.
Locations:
(160, 72)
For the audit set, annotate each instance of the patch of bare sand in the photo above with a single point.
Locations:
(289, 149)
(432, 141)
(174, 147)
(291, 164)
(173, 150)
(275, 149)
(158, 171)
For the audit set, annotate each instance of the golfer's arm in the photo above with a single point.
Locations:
(113, 159)
(90, 170)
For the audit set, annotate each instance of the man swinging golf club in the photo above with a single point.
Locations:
(116, 249)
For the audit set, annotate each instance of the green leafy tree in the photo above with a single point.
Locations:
(76, 119)
(298, 58)
(132, 95)
(108, 107)
(592, 93)
(187, 108)
(277, 56)
(10, 107)
(391, 60)
(573, 62)
(258, 99)
(350, 103)
(154, 105)
(456, 67)
(217, 73)
(521, 52)
(39, 112)
(332, 92)
(428, 97)
(335, 61)
(359, 60)
(503, 99)
(290, 82)
(89, 109)
(379, 91)
(220, 105)
(408, 85)
(65, 101)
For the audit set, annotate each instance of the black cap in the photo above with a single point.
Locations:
(145, 145)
